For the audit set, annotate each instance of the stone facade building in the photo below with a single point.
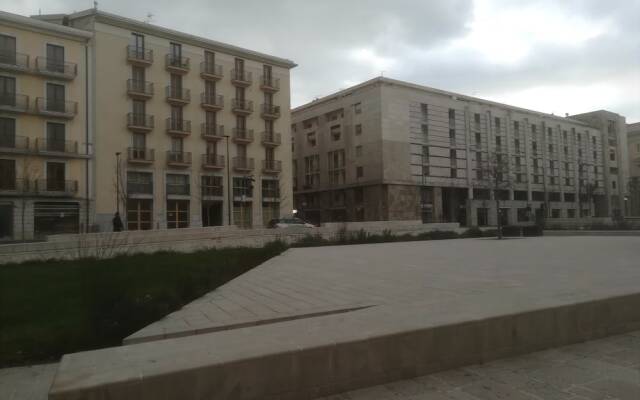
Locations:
(171, 129)
(386, 150)
(633, 143)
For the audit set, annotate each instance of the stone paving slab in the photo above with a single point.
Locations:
(587, 371)
(308, 280)
(26, 383)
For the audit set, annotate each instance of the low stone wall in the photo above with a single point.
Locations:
(105, 245)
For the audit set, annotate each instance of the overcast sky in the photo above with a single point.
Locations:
(566, 56)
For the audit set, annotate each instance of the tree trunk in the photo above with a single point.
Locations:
(499, 219)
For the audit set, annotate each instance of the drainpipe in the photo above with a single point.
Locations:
(86, 121)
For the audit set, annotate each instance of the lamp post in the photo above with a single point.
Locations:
(229, 187)
(118, 182)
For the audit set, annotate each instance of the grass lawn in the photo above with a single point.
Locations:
(51, 308)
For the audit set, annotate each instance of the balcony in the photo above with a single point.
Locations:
(139, 188)
(12, 61)
(212, 102)
(140, 122)
(55, 68)
(139, 56)
(137, 89)
(269, 111)
(56, 108)
(271, 166)
(178, 158)
(210, 71)
(212, 132)
(178, 189)
(212, 161)
(241, 135)
(12, 186)
(269, 84)
(137, 155)
(54, 187)
(11, 143)
(242, 107)
(177, 64)
(178, 127)
(13, 102)
(241, 78)
(271, 139)
(60, 147)
(177, 95)
(243, 164)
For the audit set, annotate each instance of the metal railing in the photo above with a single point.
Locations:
(211, 99)
(243, 163)
(211, 69)
(57, 146)
(269, 82)
(271, 138)
(270, 109)
(178, 125)
(241, 76)
(14, 102)
(243, 134)
(140, 120)
(175, 61)
(242, 105)
(65, 107)
(139, 86)
(179, 157)
(55, 185)
(272, 165)
(59, 68)
(140, 154)
(213, 160)
(11, 141)
(14, 60)
(178, 93)
(212, 131)
(139, 54)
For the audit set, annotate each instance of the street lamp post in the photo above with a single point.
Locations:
(118, 182)
(229, 188)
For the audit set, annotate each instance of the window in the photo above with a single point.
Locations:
(478, 138)
(425, 129)
(452, 114)
(498, 142)
(336, 164)
(357, 108)
(139, 182)
(566, 150)
(358, 151)
(7, 50)
(612, 156)
(483, 216)
(211, 185)
(564, 135)
(425, 109)
(311, 170)
(7, 174)
(178, 184)
(139, 214)
(555, 213)
(613, 185)
(595, 156)
(523, 214)
(496, 121)
(613, 171)
(7, 133)
(137, 42)
(425, 154)
(175, 54)
(550, 148)
(270, 189)
(571, 213)
(311, 138)
(335, 132)
(534, 129)
(242, 187)
(452, 155)
(359, 172)
(55, 58)
(177, 214)
(55, 137)
(516, 127)
(516, 144)
(452, 136)
(55, 98)
(358, 129)
(56, 176)
(454, 173)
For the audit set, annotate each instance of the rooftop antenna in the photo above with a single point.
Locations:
(149, 18)
(39, 11)
(95, 5)
(382, 74)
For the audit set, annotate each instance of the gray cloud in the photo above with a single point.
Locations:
(413, 40)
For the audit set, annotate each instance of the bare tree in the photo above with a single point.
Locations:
(120, 187)
(30, 174)
(495, 176)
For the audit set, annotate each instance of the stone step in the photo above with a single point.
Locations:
(308, 358)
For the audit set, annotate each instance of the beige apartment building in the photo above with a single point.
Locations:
(633, 144)
(387, 149)
(45, 152)
(180, 131)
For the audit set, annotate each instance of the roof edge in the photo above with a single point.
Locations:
(37, 24)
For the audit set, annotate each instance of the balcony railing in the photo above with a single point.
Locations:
(210, 71)
(10, 185)
(212, 132)
(140, 155)
(13, 142)
(139, 55)
(178, 158)
(14, 102)
(180, 189)
(56, 68)
(178, 126)
(242, 106)
(178, 95)
(140, 122)
(242, 135)
(211, 101)
(212, 161)
(208, 190)
(57, 146)
(177, 63)
(55, 107)
(270, 111)
(241, 78)
(243, 163)
(271, 139)
(269, 83)
(139, 187)
(139, 88)
(271, 166)
(14, 61)
(55, 186)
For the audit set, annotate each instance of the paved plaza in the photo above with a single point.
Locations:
(308, 282)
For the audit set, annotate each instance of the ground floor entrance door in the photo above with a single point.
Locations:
(6, 221)
(211, 213)
(139, 214)
(56, 218)
(177, 214)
